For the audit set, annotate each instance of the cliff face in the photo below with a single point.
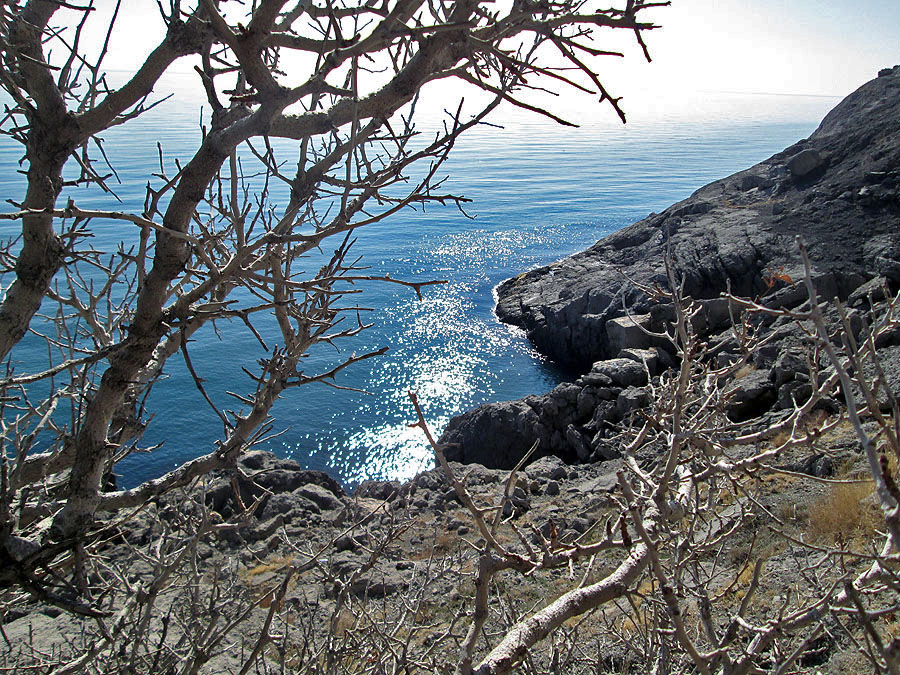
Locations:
(839, 189)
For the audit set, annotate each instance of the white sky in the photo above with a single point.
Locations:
(809, 47)
(781, 46)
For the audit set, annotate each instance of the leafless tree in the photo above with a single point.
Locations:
(655, 582)
(342, 81)
(688, 500)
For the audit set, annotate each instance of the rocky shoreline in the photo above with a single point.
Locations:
(391, 545)
(839, 190)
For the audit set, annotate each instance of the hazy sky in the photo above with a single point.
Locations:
(784, 46)
(780, 46)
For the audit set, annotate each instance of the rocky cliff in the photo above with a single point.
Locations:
(838, 189)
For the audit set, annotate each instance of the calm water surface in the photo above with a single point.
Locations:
(539, 192)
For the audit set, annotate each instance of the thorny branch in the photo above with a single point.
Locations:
(695, 501)
(312, 135)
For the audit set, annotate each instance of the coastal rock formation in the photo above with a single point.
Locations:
(272, 539)
(839, 189)
(574, 421)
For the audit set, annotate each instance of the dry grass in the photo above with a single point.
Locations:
(744, 371)
(812, 424)
(842, 514)
(275, 564)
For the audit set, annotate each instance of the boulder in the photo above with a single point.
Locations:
(805, 163)
(379, 583)
(577, 442)
(496, 435)
(547, 468)
(631, 399)
(286, 504)
(629, 331)
(650, 357)
(622, 372)
(750, 181)
(887, 388)
(794, 393)
(378, 489)
(262, 474)
(750, 395)
(791, 361)
(324, 499)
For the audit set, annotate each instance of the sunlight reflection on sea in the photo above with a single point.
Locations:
(539, 193)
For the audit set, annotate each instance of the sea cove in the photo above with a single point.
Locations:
(539, 192)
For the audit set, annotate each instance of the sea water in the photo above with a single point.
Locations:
(538, 192)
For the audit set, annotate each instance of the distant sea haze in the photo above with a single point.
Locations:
(540, 192)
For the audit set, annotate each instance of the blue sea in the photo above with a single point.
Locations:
(539, 192)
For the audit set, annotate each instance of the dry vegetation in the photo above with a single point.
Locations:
(707, 557)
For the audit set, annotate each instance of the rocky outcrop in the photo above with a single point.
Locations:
(839, 189)
(581, 421)
(576, 421)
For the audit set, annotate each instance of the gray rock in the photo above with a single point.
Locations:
(577, 441)
(794, 393)
(344, 563)
(723, 235)
(263, 473)
(566, 392)
(267, 528)
(515, 507)
(378, 489)
(650, 357)
(449, 495)
(286, 504)
(889, 386)
(250, 533)
(551, 528)
(631, 399)
(751, 395)
(603, 450)
(606, 411)
(321, 497)
(629, 331)
(549, 467)
(817, 465)
(596, 380)
(580, 525)
(585, 403)
(871, 291)
(428, 480)
(805, 163)
(604, 484)
(750, 181)
(622, 372)
(454, 524)
(791, 361)
(346, 543)
(496, 435)
(476, 474)
(714, 314)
